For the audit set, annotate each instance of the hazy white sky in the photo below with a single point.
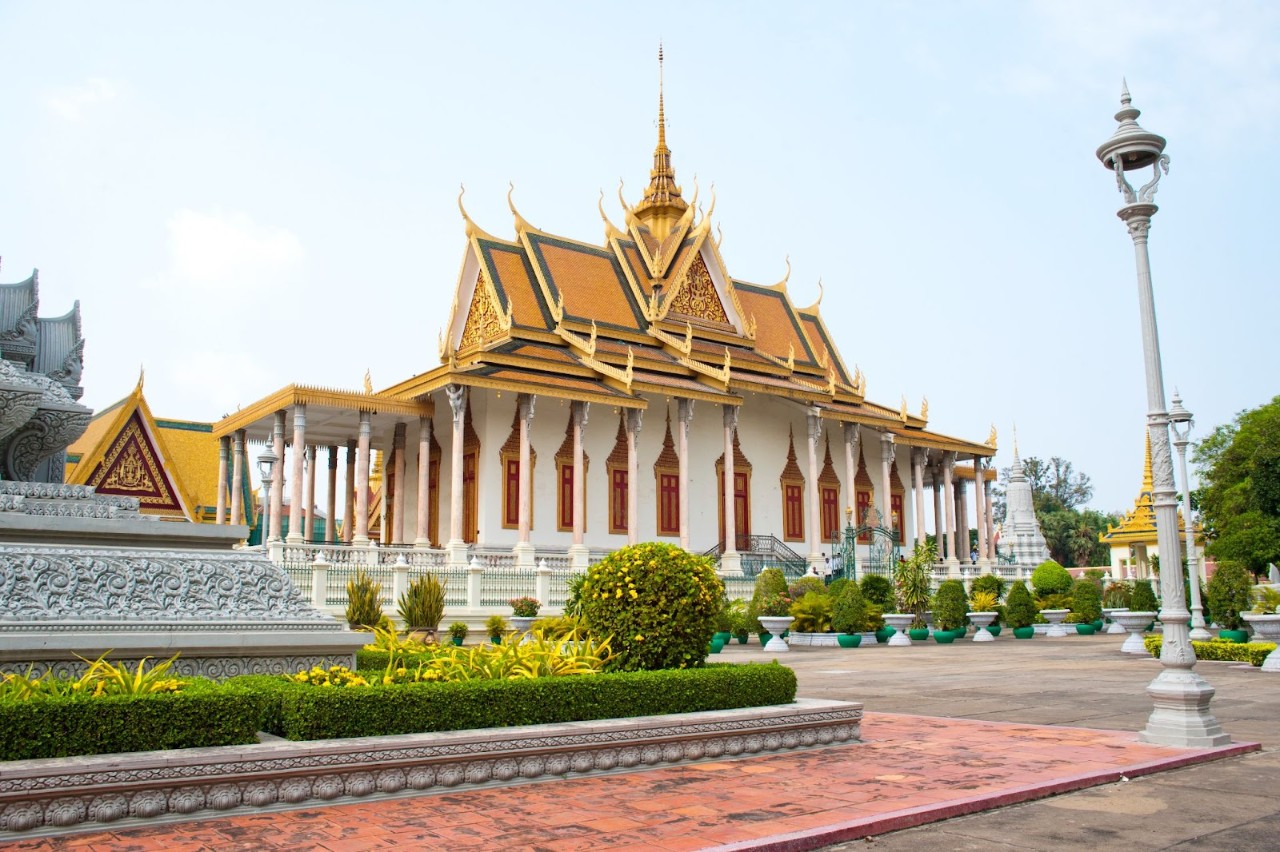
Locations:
(243, 195)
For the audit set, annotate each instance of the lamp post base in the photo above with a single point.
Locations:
(1181, 714)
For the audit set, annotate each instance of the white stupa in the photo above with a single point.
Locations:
(1020, 536)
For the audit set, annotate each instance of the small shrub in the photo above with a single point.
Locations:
(874, 619)
(1143, 598)
(1253, 652)
(1053, 602)
(771, 585)
(1266, 600)
(812, 613)
(364, 602)
(804, 585)
(1086, 600)
(657, 601)
(496, 625)
(573, 597)
(849, 611)
(912, 578)
(1050, 578)
(988, 583)
(459, 630)
(982, 601)
(560, 627)
(421, 606)
(879, 591)
(949, 605)
(1230, 594)
(836, 586)
(1117, 596)
(525, 607)
(1020, 609)
(739, 622)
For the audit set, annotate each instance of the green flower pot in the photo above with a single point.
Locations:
(919, 634)
(943, 637)
(723, 635)
(1097, 626)
(742, 638)
(456, 640)
(994, 630)
(765, 636)
(883, 634)
(717, 644)
(1024, 632)
(496, 640)
(1240, 637)
(849, 640)
(1085, 629)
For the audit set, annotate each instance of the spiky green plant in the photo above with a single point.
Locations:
(364, 602)
(421, 606)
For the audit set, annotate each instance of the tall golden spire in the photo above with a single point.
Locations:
(662, 205)
(1147, 480)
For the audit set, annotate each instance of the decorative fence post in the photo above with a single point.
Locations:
(542, 587)
(399, 578)
(320, 581)
(475, 572)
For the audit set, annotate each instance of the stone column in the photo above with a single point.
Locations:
(578, 553)
(730, 560)
(935, 474)
(634, 418)
(685, 417)
(295, 486)
(331, 500)
(309, 511)
(237, 477)
(991, 521)
(223, 448)
(524, 550)
(458, 407)
(980, 511)
(887, 451)
(814, 423)
(422, 535)
(948, 468)
(919, 457)
(360, 533)
(397, 499)
(962, 521)
(851, 449)
(349, 498)
(277, 487)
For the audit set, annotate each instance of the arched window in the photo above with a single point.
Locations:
(666, 474)
(792, 484)
(564, 481)
(616, 465)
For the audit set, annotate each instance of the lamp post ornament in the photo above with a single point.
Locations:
(1180, 422)
(1180, 714)
(266, 465)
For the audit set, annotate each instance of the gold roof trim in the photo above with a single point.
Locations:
(721, 375)
(375, 403)
(610, 232)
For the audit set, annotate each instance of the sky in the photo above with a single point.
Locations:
(244, 195)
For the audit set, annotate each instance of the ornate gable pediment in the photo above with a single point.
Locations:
(133, 466)
(696, 295)
(484, 322)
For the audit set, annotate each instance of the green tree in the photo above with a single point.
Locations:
(1239, 499)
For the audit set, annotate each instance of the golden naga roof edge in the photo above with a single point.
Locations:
(294, 394)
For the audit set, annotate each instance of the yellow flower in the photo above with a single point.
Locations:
(619, 593)
(639, 638)
(633, 594)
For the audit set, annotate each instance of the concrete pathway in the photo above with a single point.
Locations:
(986, 746)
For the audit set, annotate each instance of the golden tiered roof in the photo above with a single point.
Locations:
(1139, 525)
(652, 311)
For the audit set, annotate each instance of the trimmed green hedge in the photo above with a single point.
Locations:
(202, 714)
(1253, 652)
(308, 712)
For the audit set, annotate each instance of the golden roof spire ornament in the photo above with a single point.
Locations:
(991, 439)
(662, 205)
(368, 381)
(1147, 480)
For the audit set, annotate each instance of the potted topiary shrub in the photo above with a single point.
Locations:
(949, 607)
(739, 624)
(1143, 599)
(724, 624)
(1086, 605)
(1050, 578)
(421, 606)
(1020, 611)
(524, 611)
(495, 626)
(458, 632)
(849, 615)
(1231, 594)
(877, 591)
(770, 600)
(982, 612)
(911, 579)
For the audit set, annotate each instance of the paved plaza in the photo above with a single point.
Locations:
(956, 741)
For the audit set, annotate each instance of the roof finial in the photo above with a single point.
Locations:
(661, 206)
(662, 119)
(1125, 97)
(1147, 479)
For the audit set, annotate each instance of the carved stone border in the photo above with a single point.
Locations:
(44, 797)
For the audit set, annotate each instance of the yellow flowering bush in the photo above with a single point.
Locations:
(657, 601)
(332, 676)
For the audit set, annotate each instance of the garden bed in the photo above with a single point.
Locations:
(1253, 652)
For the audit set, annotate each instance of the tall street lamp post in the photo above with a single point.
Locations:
(1180, 715)
(1180, 422)
(266, 467)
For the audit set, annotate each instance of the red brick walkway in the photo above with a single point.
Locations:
(908, 770)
